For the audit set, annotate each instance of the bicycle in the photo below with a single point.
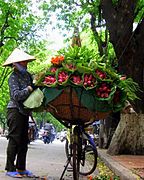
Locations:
(81, 152)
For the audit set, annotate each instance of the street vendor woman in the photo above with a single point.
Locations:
(20, 87)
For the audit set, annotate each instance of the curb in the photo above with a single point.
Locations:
(117, 168)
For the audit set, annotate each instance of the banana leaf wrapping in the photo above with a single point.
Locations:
(76, 79)
(89, 81)
(62, 77)
(69, 67)
(50, 80)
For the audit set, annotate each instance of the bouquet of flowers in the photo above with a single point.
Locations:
(98, 86)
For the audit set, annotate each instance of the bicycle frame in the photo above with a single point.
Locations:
(89, 138)
(77, 135)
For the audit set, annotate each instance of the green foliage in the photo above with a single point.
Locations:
(19, 22)
(41, 52)
(72, 13)
(85, 16)
(139, 11)
(55, 122)
(19, 27)
(76, 54)
(42, 117)
(4, 90)
(105, 177)
(131, 88)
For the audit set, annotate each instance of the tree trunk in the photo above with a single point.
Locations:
(129, 136)
(127, 43)
(107, 129)
(103, 137)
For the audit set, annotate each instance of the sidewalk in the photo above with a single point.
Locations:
(127, 167)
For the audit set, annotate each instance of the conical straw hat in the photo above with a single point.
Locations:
(17, 56)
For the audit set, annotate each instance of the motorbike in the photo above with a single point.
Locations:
(46, 137)
(52, 137)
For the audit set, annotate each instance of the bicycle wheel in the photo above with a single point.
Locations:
(88, 161)
(76, 161)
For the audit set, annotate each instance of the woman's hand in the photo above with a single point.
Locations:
(30, 89)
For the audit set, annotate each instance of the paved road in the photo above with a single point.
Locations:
(44, 160)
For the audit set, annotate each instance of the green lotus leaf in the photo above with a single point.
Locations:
(34, 100)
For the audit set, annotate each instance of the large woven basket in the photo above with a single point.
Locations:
(67, 107)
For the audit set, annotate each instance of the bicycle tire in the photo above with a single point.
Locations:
(76, 161)
(89, 169)
(89, 161)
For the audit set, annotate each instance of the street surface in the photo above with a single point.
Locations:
(44, 160)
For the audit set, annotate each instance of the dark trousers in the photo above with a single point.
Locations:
(18, 140)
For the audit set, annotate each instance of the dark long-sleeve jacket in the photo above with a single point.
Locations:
(18, 90)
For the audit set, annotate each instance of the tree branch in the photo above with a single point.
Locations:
(4, 74)
(96, 36)
(4, 27)
(110, 16)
